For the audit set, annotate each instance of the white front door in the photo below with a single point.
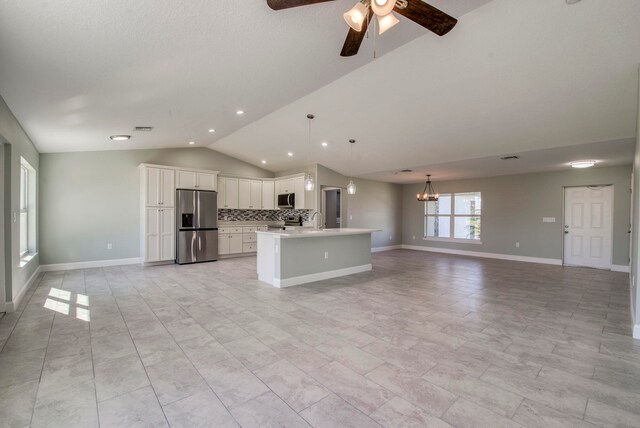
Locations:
(588, 219)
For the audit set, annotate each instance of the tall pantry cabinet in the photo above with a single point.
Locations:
(158, 188)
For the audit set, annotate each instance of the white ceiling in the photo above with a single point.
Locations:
(75, 72)
(608, 153)
(513, 76)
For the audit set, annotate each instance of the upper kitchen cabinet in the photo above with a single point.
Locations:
(293, 185)
(158, 186)
(268, 195)
(196, 180)
(227, 193)
(249, 194)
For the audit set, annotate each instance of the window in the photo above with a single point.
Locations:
(27, 209)
(454, 217)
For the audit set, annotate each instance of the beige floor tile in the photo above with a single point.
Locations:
(137, 408)
(295, 387)
(414, 389)
(267, 410)
(333, 411)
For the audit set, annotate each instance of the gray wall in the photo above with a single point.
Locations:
(513, 207)
(89, 199)
(19, 145)
(376, 205)
(635, 257)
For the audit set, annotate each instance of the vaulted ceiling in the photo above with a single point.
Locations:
(512, 76)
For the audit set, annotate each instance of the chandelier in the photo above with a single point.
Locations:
(428, 194)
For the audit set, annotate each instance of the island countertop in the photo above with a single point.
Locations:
(316, 233)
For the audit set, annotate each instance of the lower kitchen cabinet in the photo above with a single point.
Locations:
(160, 236)
(229, 240)
(238, 240)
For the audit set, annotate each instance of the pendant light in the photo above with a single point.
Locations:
(428, 194)
(309, 185)
(351, 187)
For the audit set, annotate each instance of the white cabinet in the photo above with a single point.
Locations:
(293, 185)
(158, 185)
(285, 186)
(298, 189)
(196, 180)
(229, 243)
(268, 195)
(227, 193)
(229, 240)
(207, 181)
(159, 234)
(256, 195)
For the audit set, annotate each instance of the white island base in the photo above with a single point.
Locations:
(287, 258)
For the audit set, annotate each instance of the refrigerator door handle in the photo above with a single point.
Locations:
(194, 254)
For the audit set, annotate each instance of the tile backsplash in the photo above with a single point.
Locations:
(261, 215)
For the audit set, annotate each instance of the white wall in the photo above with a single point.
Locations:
(18, 145)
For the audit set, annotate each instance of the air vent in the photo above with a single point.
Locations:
(143, 128)
(406, 170)
(509, 157)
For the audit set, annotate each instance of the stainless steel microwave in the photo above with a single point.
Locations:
(287, 200)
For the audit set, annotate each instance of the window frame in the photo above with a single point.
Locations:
(27, 212)
(452, 218)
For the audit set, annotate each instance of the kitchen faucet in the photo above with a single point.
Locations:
(318, 225)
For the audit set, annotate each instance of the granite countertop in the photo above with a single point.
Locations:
(315, 233)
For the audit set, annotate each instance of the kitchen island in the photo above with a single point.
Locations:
(294, 257)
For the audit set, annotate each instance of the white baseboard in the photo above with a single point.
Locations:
(303, 279)
(390, 247)
(12, 306)
(556, 262)
(620, 268)
(88, 265)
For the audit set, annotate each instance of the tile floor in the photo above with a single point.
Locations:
(423, 340)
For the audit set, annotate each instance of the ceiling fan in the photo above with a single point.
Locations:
(360, 16)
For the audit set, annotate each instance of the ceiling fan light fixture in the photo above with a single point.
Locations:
(386, 22)
(356, 16)
(382, 7)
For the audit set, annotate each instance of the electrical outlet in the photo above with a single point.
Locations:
(350, 217)
(414, 237)
(517, 245)
(109, 246)
(390, 237)
(326, 255)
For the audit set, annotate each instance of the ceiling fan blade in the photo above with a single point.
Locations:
(428, 16)
(286, 4)
(354, 38)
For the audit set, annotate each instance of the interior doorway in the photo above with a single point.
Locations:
(332, 207)
(588, 226)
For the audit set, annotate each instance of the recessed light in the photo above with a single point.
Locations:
(191, 143)
(325, 144)
(120, 137)
(211, 131)
(583, 164)
(240, 112)
(289, 154)
(264, 161)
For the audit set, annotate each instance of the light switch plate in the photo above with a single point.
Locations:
(548, 219)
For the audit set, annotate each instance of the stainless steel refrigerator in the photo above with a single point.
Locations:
(197, 226)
